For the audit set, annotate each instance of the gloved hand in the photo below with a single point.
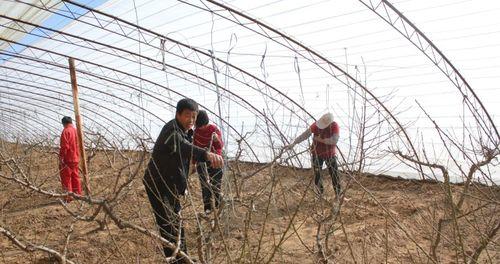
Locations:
(216, 161)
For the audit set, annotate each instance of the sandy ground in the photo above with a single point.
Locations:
(274, 219)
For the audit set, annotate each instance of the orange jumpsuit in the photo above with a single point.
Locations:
(69, 157)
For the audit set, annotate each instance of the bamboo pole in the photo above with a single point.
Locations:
(79, 126)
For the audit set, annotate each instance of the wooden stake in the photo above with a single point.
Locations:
(79, 126)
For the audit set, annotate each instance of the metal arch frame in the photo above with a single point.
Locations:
(67, 82)
(10, 129)
(141, 30)
(159, 36)
(262, 27)
(263, 115)
(66, 94)
(52, 111)
(313, 56)
(156, 84)
(16, 125)
(110, 80)
(32, 117)
(454, 75)
(407, 29)
(67, 108)
(115, 81)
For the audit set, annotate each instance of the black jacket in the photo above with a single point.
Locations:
(169, 163)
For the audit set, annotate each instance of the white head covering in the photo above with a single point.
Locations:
(325, 121)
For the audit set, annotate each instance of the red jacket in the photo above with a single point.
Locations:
(69, 146)
(203, 135)
(323, 150)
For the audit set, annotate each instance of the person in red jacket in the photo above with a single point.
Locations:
(68, 158)
(325, 136)
(209, 137)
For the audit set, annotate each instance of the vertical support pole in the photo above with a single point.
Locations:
(83, 156)
(225, 181)
(218, 93)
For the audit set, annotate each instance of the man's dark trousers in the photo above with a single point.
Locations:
(166, 207)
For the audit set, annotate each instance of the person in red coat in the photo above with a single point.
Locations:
(325, 136)
(209, 137)
(68, 158)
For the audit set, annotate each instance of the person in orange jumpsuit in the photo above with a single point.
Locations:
(68, 159)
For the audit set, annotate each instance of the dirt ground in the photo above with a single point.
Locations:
(274, 219)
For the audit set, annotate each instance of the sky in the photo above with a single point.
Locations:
(345, 32)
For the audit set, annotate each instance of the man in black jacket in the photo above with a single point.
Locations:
(165, 178)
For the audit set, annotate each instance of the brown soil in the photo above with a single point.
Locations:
(385, 220)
